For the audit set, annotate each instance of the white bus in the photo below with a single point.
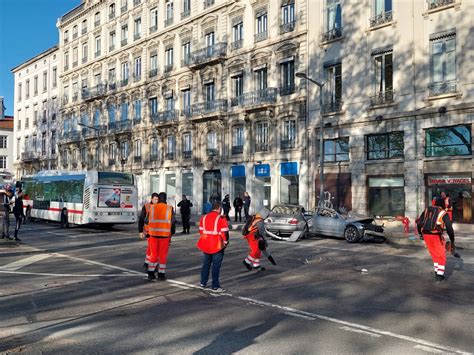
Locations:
(81, 197)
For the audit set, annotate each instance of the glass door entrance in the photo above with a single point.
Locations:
(211, 181)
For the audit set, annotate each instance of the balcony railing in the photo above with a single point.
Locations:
(287, 89)
(381, 98)
(170, 156)
(237, 149)
(186, 61)
(124, 82)
(74, 64)
(124, 9)
(136, 2)
(287, 27)
(185, 13)
(261, 36)
(168, 22)
(112, 126)
(382, 18)
(260, 97)
(137, 77)
(334, 106)
(331, 34)
(209, 53)
(137, 36)
(433, 4)
(112, 86)
(237, 101)
(187, 154)
(211, 152)
(168, 68)
(84, 60)
(153, 72)
(187, 111)
(237, 44)
(97, 54)
(97, 23)
(111, 48)
(84, 31)
(168, 116)
(123, 42)
(208, 107)
(28, 156)
(208, 3)
(153, 28)
(261, 147)
(111, 162)
(442, 88)
(137, 159)
(287, 143)
(125, 125)
(137, 120)
(111, 15)
(153, 157)
(75, 96)
(154, 117)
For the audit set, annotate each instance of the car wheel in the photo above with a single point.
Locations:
(351, 234)
(64, 219)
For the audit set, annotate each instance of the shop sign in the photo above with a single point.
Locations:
(262, 170)
(238, 171)
(447, 180)
(289, 169)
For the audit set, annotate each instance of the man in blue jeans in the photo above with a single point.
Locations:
(214, 238)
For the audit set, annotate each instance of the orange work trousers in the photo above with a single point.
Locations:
(157, 253)
(255, 253)
(436, 246)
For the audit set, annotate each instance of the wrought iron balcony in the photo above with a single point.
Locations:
(71, 136)
(185, 13)
(84, 60)
(85, 94)
(333, 106)
(154, 117)
(237, 101)
(112, 126)
(137, 36)
(84, 30)
(381, 98)
(153, 28)
(237, 44)
(187, 154)
(137, 120)
(168, 116)
(170, 156)
(211, 152)
(137, 159)
(287, 89)
(153, 157)
(209, 54)
(125, 125)
(124, 8)
(438, 89)
(261, 147)
(187, 111)
(287, 27)
(152, 73)
(287, 143)
(261, 36)
(98, 90)
(137, 77)
(433, 4)
(209, 107)
(208, 3)
(168, 68)
(111, 15)
(168, 21)
(96, 23)
(382, 18)
(97, 54)
(123, 42)
(237, 149)
(111, 162)
(260, 97)
(124, 82)
(331, 34)
(29, 156)
(112, 85)
(186, 61)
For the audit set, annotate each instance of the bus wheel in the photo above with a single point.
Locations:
(64, 220)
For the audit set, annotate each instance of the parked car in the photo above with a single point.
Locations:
(328, 222)
(283, 220)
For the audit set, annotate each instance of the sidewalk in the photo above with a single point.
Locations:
(464, 233)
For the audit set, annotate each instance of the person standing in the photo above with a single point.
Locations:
(254, 232)
(160, 225)
(143, 228)
(226, 206)
(5, 212)
(214, 238)
(247, 200)
(18, 212)
(238, 203)
(185, 210)
(431, 224)
(448, 206)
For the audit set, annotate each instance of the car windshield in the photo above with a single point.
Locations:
(289, 210)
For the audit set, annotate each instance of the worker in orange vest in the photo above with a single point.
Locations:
(448, 206)
(214, 238)
(254, 232)
(143, 228)
(160, 225)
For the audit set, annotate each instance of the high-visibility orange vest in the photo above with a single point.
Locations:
(159, 220)
(145, 225)
(252, 230)
(211, 240)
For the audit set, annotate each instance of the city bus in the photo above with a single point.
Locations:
(81, 197)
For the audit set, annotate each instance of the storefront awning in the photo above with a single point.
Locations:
(290, 168)
(237, 171)
(262, 170)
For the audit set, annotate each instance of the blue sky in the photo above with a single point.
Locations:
(27, 28)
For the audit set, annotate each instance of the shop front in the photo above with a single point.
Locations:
(170, 189)
(386, 196)
(289, 183)
(263, 187)
(339, 186)
(212, 185)
(238, 182)
(459, 188)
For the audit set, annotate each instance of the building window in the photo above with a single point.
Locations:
(35, 85)
(124, 111)
(186, 102)
(137, 107)
(261, 26)
(124, 34)
(84, 27)
(448, 141)
(287, 77)
(112, 40)
(260, 79)
(186, 9)
(138, 68)
(124, 6)
(137, 25)
(3, 142)
(97, 19)
(210, 92)
(111, 11)
(74, 32)
(333, 20)
(168, 59)
(45, 81)
(336, 149)
(186, 48)
(382, 10)
(153, 103)
(84, 52)
(169, 13)
(385, 145)
(288, 139)
(153, 19)
(287, 17)
(237, 35)
(261, 137)
(53, 142)
(27, 89)
(66, 36)
(19, 92)
(112, 153)
(97, 46)
(43, 143)
(237, 89)
(333, 89)
(212, 143)
(125, 73)
(3, 162)
(154, 149)
(170, 147)
(187, 145)
(383, 78)
(238, 139)
(433, 4)
(137, 148)
(18, 146)
(75, 57)
(386, 196)
(443, 64)
(208, 3)
(55, 77)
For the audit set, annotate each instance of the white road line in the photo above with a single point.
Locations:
(299, 316)
(349, 329)
(65, 275)
(428, 349)
(24, 262)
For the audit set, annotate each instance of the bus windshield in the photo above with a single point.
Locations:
(113, 178)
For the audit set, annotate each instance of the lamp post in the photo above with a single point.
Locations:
(302, 75)
(98, 140)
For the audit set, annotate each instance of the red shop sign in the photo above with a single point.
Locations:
(449, 181)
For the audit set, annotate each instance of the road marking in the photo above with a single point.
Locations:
(291, 314)
(349, 329)
(64, 275)
(428, 349)
(24, 262)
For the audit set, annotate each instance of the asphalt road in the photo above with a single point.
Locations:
(82, 291)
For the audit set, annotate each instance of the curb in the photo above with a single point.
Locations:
(417, 242)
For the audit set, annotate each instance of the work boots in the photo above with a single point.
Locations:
(161, 276)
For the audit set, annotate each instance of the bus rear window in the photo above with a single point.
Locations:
(112, 178)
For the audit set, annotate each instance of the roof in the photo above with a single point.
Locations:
(35, 58)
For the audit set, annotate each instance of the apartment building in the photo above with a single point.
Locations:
(36, 108)
(194, 97)
(397, 113)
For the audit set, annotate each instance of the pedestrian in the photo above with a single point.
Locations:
(448, 206)
(226, 206)
(254, 232)
(160, 226)
(214, 238)
(143, 228)
(185, 210)
(5, 198)
(431, 224)
(238, 203)
(247, 200)
(18, 212)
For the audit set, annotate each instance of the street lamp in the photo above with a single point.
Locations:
(98, 140)
(302, 75)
